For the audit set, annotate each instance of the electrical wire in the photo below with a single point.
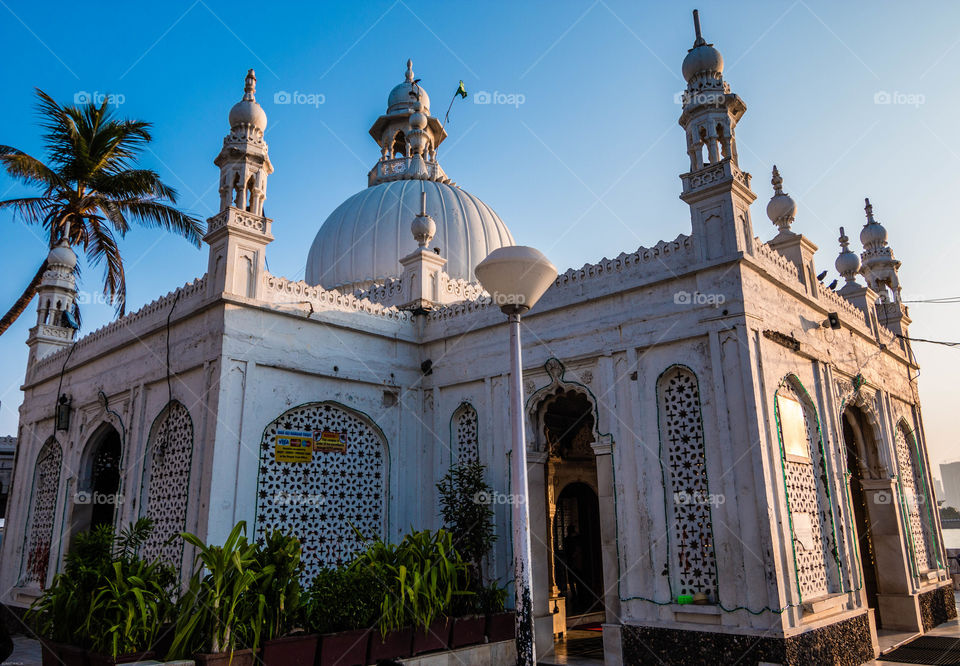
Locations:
(933, 342)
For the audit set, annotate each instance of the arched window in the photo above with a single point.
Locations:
(323, 475)
(166, 475)
(808, 494)
(465, 446)
(916, 498)
(43, 508)
(693, 563)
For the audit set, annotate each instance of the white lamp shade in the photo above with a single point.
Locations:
(516, 275)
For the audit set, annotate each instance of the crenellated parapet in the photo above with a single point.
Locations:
(283, 291)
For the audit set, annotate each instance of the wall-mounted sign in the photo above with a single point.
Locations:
(294, 446)
(330, 441)
(793, 427)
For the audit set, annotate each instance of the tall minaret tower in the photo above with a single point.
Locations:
(717, 191)
(57, 294)
(238, 235)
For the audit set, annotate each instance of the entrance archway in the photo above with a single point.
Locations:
(861, 447)
(98, 488)
(576, 550)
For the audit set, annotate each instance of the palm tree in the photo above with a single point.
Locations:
(91, 191)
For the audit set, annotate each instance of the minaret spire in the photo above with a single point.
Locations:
(782, 209)
(699, 41)
(847, 264)
(879, 266)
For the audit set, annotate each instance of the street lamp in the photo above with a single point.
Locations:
(516, 278)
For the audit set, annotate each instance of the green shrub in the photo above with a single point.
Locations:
(341, 600)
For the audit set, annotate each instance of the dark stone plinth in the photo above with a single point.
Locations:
(845, 643)
(937, 606)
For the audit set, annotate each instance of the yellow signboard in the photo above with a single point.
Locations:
(330, 441)
(294, 446)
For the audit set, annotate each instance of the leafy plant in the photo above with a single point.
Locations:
(279, 557)
(467, 516)
(341, 600)
(222, 605)
(419, 578)
(491, 599)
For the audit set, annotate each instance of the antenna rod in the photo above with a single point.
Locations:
(696, 23)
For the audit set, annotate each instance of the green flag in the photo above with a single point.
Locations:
(461, 90)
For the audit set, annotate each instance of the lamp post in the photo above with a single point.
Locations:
(516, 278)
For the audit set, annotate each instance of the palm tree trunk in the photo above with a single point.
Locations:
(18, 308)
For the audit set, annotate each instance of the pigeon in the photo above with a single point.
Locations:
(832, 285)
(821, 276)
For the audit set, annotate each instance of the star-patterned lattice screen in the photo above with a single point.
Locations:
(46, 480)
(912, 488)
(693, 564)
(466, 448)
(323, 499)
(811, 524)
(167, 474)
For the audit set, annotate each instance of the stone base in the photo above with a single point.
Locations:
(937, 606)
(502, 652)
(845, 643)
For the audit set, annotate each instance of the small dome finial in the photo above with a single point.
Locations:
(423, 227)
(782, 209)
(250, 85)
(868, 208)
(410, 70)
(777, 181)
(699, 41)
(847, 263)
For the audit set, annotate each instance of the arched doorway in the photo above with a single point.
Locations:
(860, 447)
(576, 549)
(98, 488)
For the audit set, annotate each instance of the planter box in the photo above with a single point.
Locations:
(71, 655)
(394, 645)
(468, 630)
(105, 660)
(50, 652)
(347, 648)
(436, 637)
(501, 626)
(291, 651)
(164, 640)
(240, 658)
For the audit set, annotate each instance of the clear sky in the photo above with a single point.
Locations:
(580, 157)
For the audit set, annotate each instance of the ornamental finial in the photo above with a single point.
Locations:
(777, 181)
(410, 70)
(423, 227)
(699, 41)
(250, 86)
(868, 207)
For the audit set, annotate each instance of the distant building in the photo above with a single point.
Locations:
(8, 445)
(950, 493)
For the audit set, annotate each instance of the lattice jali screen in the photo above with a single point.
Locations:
(167, 473)
(912, 488)
(693, 562)
(466, 446)
(807, 495)
(323, 499)
(46, 481)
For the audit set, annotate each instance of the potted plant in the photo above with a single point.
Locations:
(221, 610)
(501, 624)
(340, 607)
(284, 644)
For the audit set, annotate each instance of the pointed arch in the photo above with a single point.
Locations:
(915, 499)
(166, 481)
(558, 386)
(807, 488)
(687, 499)
(333, 490)
(464, 435)
(38, 536)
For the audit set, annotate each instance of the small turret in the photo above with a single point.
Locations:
(782, 209)
(847, 264)
(878, 265)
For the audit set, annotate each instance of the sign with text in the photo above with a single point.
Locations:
(330, 441)
(793, 427)
(294, 446)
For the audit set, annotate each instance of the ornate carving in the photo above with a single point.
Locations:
(913, 489)
(466, 445)
(39, 535)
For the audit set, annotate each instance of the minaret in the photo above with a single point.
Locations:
(848, 265)
(879, 266)
(238, 235)
(408, 136)
(57, 295)
(717, 191)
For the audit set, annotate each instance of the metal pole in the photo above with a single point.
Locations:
(523, 572)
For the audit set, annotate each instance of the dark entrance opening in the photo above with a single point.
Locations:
(577, 554)
(855, 436)
(105, 480)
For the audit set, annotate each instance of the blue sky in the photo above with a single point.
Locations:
(585, 167)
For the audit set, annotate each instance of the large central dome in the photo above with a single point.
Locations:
(364, 239)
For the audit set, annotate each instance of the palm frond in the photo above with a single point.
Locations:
(160, 215)
(29, 170)
(131, 184)
(32, 210)
(102, 248)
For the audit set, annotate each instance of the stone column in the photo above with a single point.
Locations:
(539, 553)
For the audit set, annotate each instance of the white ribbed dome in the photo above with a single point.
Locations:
(365, 237)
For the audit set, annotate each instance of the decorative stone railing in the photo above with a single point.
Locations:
(399, 168)
(186, 295)
(775, 263)
(388, 291)
(681, 246)
(280, 290)
(845, 306)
